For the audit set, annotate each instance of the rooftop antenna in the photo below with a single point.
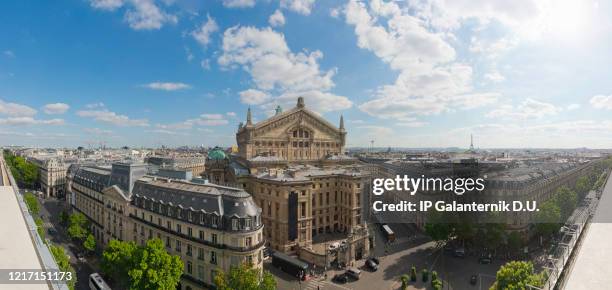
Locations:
(372, 145)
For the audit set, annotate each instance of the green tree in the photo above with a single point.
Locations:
(117, 259)
(154, 268)
(268, 282)
(583, 185)
(567, 200)
(405, 279)
(517, 275)
(63, 217)
(465, 231)
(63, 264)
(515, 242)
(244, 277)
(90, 243)
(495, 233)
(548, 218)
(77, 226)
(24, 172)
(425, 275)
(32, 203)
(40, 228)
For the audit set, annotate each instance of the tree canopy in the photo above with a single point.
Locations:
(77, 226)
(89, 243)
(244, 277)
(517, 275)
(141, 267)
(24, 172)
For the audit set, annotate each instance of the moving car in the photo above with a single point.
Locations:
(473, 279)
(340, 278)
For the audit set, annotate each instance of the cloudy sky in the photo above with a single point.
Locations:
(422, 73)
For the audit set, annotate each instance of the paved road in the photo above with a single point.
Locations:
(51, 209)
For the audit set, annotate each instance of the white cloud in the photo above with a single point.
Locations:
(493, 49)
(95, 105)
(167, 86)
(9, 53)
(238, 3)
(449, 14)
(205, 64)
(431, 81)
(203, 33)
(254, 97)
(56, 108)
(320, 101)
(300, 6)
(112, 118)
(15, 110)
(231, 114)
(601, 102)
(21, 121)
(166, 132)
(277, 19)
(145, 15)
(109, 5)
(276, 70)
(98, 131)
(412, 124)
(572, 107)
(202, 120)
(528, 109)
(494, 76)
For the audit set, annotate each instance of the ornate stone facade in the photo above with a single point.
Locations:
(293, 164)
(295, 135)
(209, 227)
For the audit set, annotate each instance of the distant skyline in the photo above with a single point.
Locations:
(427, 73)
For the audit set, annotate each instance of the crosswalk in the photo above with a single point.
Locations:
(323, 285)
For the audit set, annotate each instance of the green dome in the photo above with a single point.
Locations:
(216, 154)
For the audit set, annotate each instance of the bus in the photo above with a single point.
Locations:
(290, 265)
(389, 234)
(97, 283)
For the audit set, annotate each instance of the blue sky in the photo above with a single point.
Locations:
(415, 74)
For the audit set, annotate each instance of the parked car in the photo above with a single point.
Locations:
(371, 265)
(375, 260)
(473, 279)
(460, 252)
(485, 259)
(340, 278)
(355, 273)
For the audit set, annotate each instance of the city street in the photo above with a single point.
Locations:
(410, 249)
(51, 209)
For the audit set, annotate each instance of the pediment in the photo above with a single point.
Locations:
(282, 125)
(115, 192)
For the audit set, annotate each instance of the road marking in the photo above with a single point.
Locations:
(312, 285)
